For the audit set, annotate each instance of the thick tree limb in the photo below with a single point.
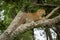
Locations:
(13, 25)
(28, 26)
(31, 25)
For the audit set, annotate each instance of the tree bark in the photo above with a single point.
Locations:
(13, 25)
(8, 35)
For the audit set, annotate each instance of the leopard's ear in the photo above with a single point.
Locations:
(40, 12)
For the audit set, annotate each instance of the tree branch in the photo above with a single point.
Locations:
(23, 27)
(13, 25)
(45, 4)
(51, 13)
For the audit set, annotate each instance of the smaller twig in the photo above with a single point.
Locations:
(52, 11)
(45, 4)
